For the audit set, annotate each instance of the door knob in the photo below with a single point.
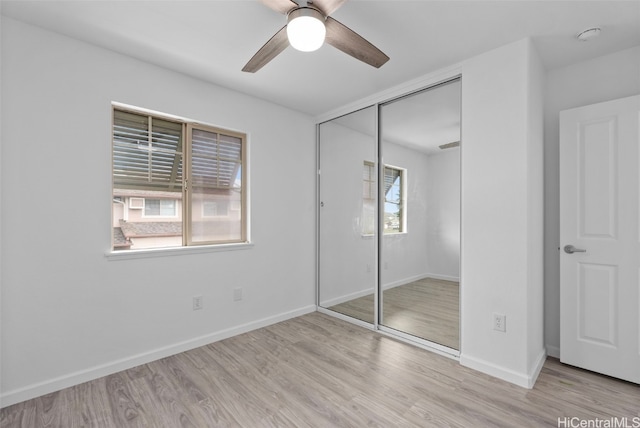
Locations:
(570, 249)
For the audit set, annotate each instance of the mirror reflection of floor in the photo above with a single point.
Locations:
(427, 308)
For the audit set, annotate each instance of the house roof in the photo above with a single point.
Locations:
(119, 240)
(150, 229)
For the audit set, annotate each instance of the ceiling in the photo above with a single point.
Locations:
(421, 121)
(213, 39)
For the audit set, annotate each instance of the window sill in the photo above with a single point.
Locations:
(368, 235)
(175, 251)
(395, 234)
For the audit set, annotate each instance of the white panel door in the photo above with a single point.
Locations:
(599, 213)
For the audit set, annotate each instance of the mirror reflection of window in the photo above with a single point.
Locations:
(368, 198)
(394, 210)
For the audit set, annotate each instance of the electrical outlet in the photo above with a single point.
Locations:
(368, 267)
(237, 294)
(499, 322)
(197, 303)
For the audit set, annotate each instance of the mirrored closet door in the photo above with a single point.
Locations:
(389, 215)
(347, 215)
(420, 214)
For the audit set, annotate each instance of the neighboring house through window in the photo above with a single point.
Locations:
(160, 207)
(174, 181)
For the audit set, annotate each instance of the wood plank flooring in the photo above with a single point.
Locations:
(318, 371)
(428, 308)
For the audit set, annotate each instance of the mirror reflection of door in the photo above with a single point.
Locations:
(347, 229)
(420, 243)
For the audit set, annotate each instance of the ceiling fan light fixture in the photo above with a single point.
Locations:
(305, 29)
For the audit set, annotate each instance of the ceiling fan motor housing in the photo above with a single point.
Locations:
(305, 11)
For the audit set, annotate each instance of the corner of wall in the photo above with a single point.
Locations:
(502, 179)
(524, 380)
(1, 227)
(535, 210)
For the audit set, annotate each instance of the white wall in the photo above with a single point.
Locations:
(609, 77)
(68, 313)
(1, 237)
(501, 229)
(443, 214)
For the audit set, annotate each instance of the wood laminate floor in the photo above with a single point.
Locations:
(318, 371)
(428, 308)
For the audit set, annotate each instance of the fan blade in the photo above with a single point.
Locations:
(351, 43)
(269, 51)
(282, 6)
(327, 6)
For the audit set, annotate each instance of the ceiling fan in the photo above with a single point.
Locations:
(308, 27)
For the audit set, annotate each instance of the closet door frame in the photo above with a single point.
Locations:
(377, 101)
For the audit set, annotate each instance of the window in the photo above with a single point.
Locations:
(160, 207)
(187, 174)
(394, 200)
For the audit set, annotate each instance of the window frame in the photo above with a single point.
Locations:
(188, 177)
(186, 207)
(371, 199)
(402, 203)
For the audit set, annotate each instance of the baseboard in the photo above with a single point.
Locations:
(346, 298)
(443, 277)
(525, 380)
(345, 318)
(405, 281)
(553, 351)
(537, 367)
(36, 390)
